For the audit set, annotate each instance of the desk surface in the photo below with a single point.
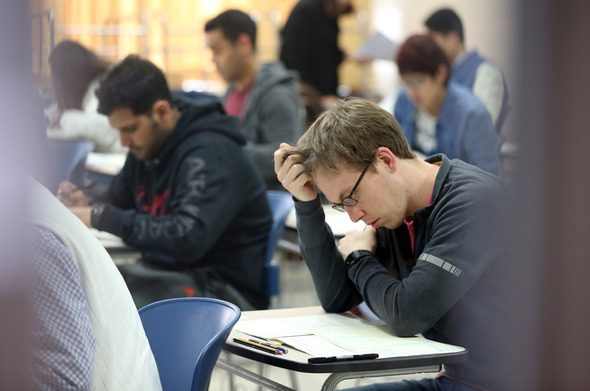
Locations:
(115, 245)
(297, 360)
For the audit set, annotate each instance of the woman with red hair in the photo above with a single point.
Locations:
(439, 116)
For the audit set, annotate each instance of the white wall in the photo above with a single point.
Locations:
(489, 26)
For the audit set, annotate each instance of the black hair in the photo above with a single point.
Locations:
(133, 83)
(445, 20)
(233, 23)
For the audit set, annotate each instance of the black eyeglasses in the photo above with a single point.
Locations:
(349, 201)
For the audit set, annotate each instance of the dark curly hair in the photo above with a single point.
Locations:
(133, 83)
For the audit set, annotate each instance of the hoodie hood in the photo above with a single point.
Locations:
(269, 75)
(199, 116)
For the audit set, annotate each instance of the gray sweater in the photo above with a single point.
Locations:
(448, 287)
(272, 114)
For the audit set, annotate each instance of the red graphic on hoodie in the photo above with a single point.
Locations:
(157, 206)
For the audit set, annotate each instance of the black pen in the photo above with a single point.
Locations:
(347, 357)
(86, 187)
(76, 188)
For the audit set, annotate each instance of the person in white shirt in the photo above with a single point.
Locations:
(478, 74)
(74, 75)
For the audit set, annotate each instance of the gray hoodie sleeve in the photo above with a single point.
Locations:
(274, 114)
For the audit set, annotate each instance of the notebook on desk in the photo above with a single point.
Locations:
(340, 334)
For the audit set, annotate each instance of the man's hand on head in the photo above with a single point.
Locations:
(291, 174)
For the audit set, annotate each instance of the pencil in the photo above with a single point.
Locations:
(256, 346)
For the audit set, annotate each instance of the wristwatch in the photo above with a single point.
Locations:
(95, 213)
(356, 256)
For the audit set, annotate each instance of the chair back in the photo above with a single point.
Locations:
(186, 336)
(280, 204)
(69, 159)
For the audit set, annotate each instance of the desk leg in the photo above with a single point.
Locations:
(335, 378)
(251, 376)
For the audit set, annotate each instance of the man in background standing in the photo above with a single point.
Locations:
(310, 46)
(468, 67)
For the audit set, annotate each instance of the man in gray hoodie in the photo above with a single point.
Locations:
(264, 97)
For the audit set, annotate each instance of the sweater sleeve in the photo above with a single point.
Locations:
(462, 246)
(489, 88)
(280, 121)
(335, 290)
(481, 142)
(201, 204)
(91, 126)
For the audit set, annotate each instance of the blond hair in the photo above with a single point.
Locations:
(349, 133)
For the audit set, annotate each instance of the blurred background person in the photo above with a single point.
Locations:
(438, 115)
(75, 72)
(264, 97)
(468, 67)
(310, 46)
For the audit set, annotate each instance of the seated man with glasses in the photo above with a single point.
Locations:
(432, 259)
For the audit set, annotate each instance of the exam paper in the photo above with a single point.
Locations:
(379, 339)
(315, 346)
(340, 334)
(377, 46)
(107, 239)
(294, 326)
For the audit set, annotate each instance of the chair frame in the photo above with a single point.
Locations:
(281, 204)
(167, 334)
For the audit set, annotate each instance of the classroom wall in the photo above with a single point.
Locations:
(170, 32)
(489, 26)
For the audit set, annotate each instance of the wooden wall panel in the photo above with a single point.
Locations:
(174, 37)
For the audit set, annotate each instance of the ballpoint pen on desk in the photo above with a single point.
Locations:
(258, 346)
(274, 346)
(348, 357)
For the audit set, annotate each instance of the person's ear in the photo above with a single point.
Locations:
(441, 73)
(384, 156)
(454, 37)
(161, 111)
(244, 44)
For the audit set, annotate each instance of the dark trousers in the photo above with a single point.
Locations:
(149, 284)
(440, 384)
